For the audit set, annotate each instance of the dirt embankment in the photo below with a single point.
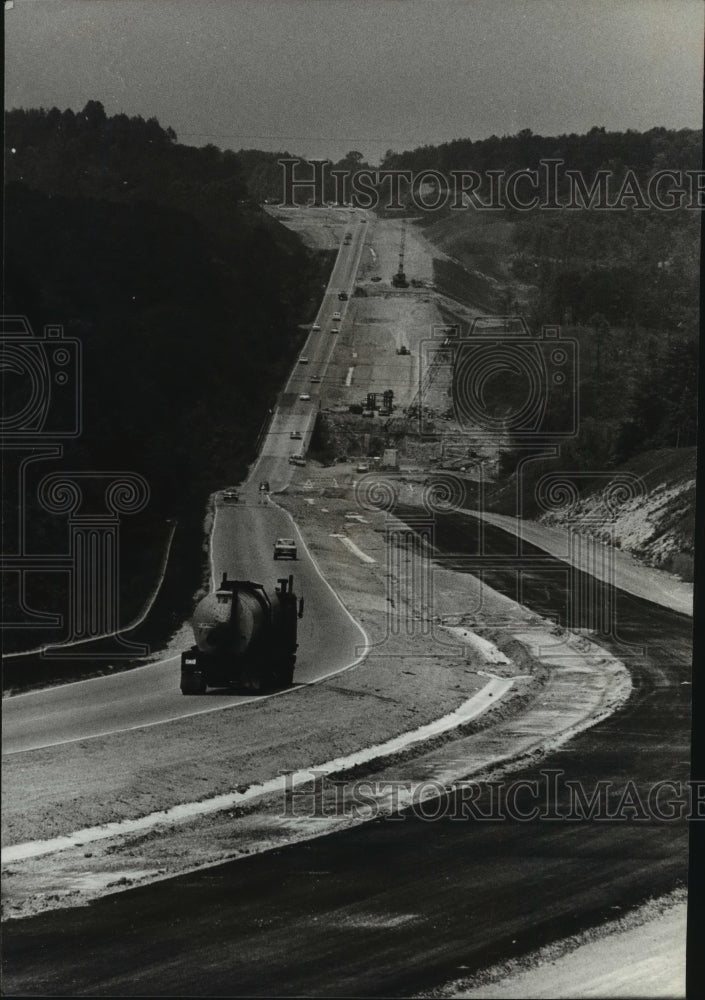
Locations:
(617, 960)
(651, 515)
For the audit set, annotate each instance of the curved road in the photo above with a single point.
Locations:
(241, 545)
(396, 906)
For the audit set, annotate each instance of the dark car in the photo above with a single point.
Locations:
(285, 548)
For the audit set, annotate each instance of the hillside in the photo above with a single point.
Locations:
(658, 524)
(187, 301)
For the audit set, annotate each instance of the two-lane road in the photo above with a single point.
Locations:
(241, 545)
(292, 413)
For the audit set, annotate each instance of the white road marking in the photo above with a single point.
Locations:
(470, 708)
(486, 649)
(348, 543)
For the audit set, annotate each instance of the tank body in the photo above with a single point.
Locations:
(245, 637)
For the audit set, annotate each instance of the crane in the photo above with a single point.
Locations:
(399, 279)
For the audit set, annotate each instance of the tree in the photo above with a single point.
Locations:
(94, 114)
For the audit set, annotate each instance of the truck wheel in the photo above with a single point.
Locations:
(285, 673)
(193, 684)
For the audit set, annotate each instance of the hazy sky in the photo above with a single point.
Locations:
(321, 77)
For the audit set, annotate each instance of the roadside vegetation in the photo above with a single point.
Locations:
(187, 300)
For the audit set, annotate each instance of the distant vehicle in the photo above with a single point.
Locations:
(336, 315)
(316, 378)
(362, 467)
(295, 435)
(305, 397)
(231, 495)
(403, 350)
(285, 548)
(303, 361)
(316, 327)
(334, 329)
(343, 296)
(297, 460)
(375, 277)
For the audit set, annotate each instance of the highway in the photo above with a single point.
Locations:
(242, 546)
(393, 907)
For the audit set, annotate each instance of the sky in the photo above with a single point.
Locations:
(322, 77)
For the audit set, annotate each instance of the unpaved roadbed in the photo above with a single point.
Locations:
(641, 954)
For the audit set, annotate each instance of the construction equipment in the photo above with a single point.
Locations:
(399, 279)
(245, 638)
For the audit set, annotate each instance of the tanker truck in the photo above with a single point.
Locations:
(245, 638)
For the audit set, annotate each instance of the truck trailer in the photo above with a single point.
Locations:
(246, 638)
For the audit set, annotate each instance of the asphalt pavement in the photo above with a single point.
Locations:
(242, 545)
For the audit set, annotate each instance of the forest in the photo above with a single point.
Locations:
(187, 301)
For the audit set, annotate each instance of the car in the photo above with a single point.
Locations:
(316, 378)
(231, 495)
(343, 296)
(375, 277)
(305, 397)
(336, 315)
(303, 361)
(295, 435)
(297, 460)
(285, 548)
(334, 329)
(362, 467)
(316, 327)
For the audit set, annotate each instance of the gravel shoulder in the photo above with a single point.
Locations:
(617, 959)
(627, 572)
